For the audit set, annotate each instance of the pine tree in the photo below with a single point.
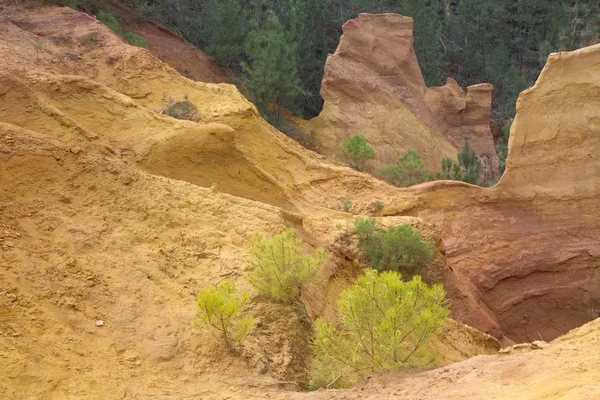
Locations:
(468, 161)
(357, 150)
(225, 28)
(409, 170)
(305, 22)
(383, 324)
(271, 74)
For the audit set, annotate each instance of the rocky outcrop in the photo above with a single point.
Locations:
(373, 85)
(524, 256)
(459, 115)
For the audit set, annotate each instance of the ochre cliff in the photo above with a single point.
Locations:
(112, 211)
(524, 256)
(373, 85)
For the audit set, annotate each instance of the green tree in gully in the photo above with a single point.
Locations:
(383, 324)
(451, 171)
(398, 248)
(279, 267)
(467, 159)
(271, 73)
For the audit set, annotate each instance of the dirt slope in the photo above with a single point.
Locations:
(188, 60)
(566, 369)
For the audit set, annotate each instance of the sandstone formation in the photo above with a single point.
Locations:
(111, 211)
(523, 256)
(373, 85)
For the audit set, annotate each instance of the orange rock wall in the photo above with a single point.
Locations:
(524, 256)
(373, 85)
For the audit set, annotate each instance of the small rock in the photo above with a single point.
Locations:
(539, 344)
(99, 323)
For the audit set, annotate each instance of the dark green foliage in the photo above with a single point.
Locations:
(383, 324)
(307, 22)
(135, 40)
(397, 248)
(364, 229)
(450, 171)
(290, 129)
(110, 21)
(357, 150)
(427, 31)
(71, 3)
(224, 31)
(469, 163)
(409, 170)
(271, 74)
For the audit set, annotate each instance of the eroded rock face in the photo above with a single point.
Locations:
(524, 256)
(373, 85)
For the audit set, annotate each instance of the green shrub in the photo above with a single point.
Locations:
(450, 171)
(110, 21)
(468, 161)
(280, 269)
(384, 323)
(357, 150)
(183, 109)
(365, 229)
(219, 310)
(377, 204)
(409, 170)
(89, 39)
(398, 248)
(135, 40)
(346, 205)
(38, 48)
(502, 146)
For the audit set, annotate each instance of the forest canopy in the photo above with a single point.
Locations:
(503, 42)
